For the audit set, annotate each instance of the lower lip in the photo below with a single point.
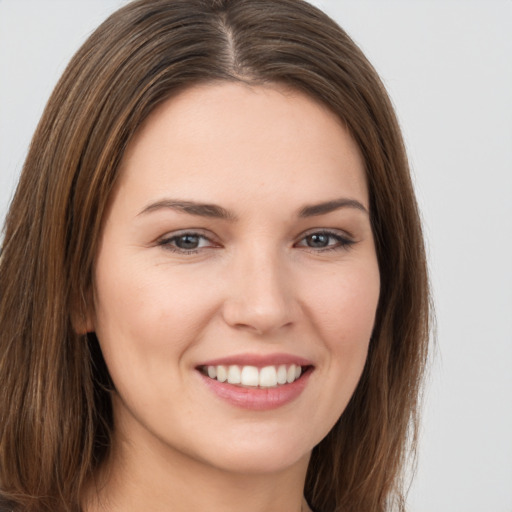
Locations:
(258, 399)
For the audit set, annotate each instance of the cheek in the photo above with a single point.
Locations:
(346, 303)
(343, 310)
(146, 314)
(144, 328)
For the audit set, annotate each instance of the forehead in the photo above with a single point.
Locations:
(230, 137)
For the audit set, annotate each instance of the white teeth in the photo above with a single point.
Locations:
(234, 374)
(281, 374)
(222, 374)
(249, 376)
(290, 376)
(266, 377)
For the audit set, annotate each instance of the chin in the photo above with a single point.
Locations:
(260, 462)
(257, 452)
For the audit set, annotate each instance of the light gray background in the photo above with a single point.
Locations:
(448, 67)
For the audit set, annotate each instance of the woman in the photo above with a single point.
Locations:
(228, 300)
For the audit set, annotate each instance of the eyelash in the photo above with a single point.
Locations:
(167, 242)
(342, 242)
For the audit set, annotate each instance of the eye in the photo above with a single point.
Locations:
(325, 240)
(186, 242)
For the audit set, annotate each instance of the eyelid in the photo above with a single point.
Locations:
(345, 240)
(328, 231)
(165, 240)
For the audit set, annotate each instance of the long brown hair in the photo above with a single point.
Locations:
(55, 408)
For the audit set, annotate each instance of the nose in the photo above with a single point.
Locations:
(260, 296)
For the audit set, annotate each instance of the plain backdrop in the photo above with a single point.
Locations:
(448, 67)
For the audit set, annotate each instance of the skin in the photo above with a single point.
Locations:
(258, 283)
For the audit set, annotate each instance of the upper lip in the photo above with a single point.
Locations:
(258, 360)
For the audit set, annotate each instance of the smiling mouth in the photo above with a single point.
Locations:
(271, 376)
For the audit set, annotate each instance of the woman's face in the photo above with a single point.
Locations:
(237, 245)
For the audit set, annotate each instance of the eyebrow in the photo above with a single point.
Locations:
(331, 206)
(192, 208)
(218, 212)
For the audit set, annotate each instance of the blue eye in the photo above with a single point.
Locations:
(185, 242)
(325, 240)
(318, 240)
